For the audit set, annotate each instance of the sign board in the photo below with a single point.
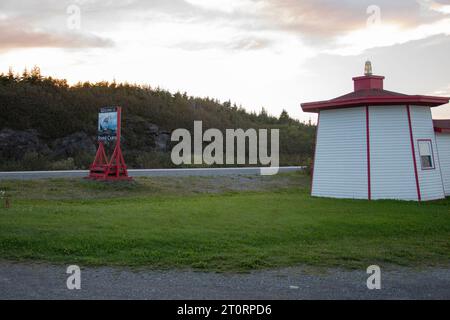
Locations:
(108, 119)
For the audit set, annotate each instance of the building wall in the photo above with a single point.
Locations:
(391, 160)
(430, 180)
(340, 166)
(443, 147)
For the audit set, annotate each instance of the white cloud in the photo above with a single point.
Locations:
(228, 6)
(383, 35)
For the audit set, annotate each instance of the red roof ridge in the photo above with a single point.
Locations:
(368, 93)
(347, 102)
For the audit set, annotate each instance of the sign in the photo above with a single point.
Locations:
(108, 131)
(107, 124)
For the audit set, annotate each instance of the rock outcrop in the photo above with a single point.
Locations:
(160, 137)
(162, 141)
(15, 144)
(72, 145)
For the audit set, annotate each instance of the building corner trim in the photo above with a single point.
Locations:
(408, 111)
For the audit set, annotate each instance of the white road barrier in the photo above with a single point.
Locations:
(28, 175)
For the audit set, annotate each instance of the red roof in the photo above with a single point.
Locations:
(369, 91)
(442, 125)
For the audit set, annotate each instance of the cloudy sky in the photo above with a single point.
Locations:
(257, 53)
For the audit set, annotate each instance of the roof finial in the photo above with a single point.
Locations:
(368, 68)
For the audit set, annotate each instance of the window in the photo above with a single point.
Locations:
(426, 154)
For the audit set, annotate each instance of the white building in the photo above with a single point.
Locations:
(378, 144)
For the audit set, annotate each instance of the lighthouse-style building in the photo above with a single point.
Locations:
(378, 144)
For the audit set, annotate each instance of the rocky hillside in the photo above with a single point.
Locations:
(47, 124)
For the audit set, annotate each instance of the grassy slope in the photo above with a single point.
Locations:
(222, 230)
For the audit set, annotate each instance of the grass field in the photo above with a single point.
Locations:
(219, 224)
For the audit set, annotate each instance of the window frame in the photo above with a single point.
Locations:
(430, 141)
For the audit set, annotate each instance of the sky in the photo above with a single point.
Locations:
(274, 54)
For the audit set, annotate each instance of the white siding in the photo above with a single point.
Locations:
(391, 161)
(443, 145)
(430, 181)
(340, 166)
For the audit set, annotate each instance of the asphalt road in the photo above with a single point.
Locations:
(26, 175)
(42, 281)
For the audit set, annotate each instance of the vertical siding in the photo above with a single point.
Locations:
(340, 165)
(430, 181)
(443, 146)
(391, 162)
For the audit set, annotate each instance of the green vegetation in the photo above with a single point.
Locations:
(271, 222)
(55, 110)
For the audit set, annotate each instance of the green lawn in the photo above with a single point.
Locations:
(223, 230)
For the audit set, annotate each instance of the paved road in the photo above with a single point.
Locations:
(41, 281)
(26, 175)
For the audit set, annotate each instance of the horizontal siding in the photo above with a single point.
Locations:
(430, 181)
(391, 162)
(443, 146)
(340, 165)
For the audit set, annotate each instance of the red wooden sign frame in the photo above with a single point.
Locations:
(115, 168)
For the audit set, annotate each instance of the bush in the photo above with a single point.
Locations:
(153, 160)
(34, 161)
(83, 160)
(64, 164)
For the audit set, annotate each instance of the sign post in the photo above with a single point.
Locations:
(109, 130)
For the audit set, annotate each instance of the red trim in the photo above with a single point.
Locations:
(413, 153)
(442, 125)
(441, 130)
(369, 185)
(432, 154)
(119, 125)
(315, 152)
(368, 82)
(418, 100)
